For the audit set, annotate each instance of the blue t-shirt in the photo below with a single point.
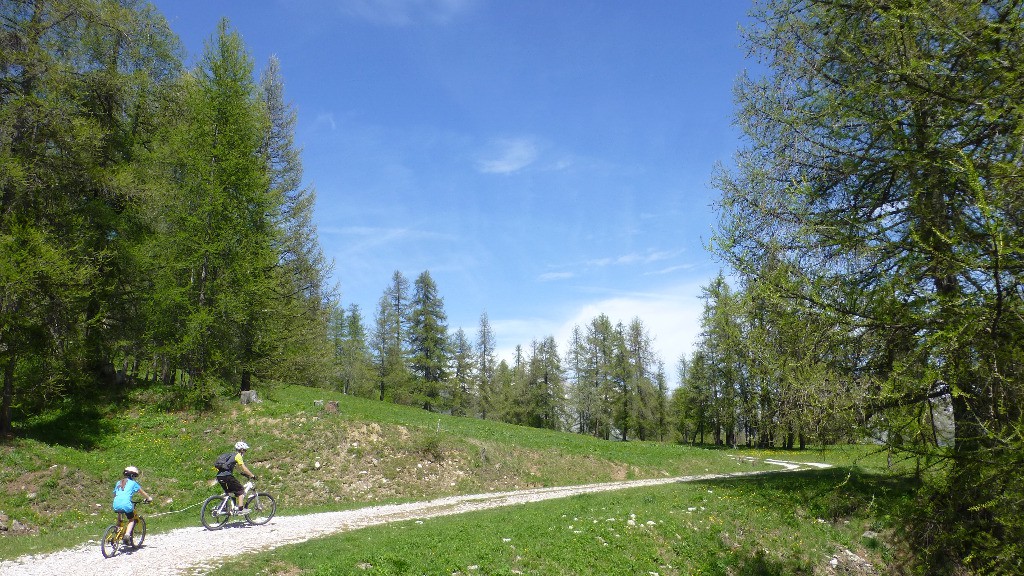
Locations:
(123, 496)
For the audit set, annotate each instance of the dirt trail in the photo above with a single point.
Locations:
(197, 551)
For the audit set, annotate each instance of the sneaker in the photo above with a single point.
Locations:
(242, 511)
(127, 541)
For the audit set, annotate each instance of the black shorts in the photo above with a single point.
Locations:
(128, 515)
(231, 485)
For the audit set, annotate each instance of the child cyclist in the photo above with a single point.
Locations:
(123, 491)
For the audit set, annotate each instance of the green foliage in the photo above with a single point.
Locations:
(354, 369)
(486, 398)
(75, 109)
(878, 196)
(150, 227)
(428, 342)
(430, 446)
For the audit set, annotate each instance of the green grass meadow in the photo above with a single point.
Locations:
(768, 525)
(58, 472)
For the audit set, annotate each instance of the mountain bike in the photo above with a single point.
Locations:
(218, 509)
(114, 536)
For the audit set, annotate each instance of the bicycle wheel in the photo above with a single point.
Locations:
(261, 508)
(214, 514)
(110, 542)
(138, 532)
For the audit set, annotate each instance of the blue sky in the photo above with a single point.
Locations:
(545, 160)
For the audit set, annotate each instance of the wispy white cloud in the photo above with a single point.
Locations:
(670, 270)
(507, 155)
(551, 276)
(648, 257)
(364, 237)
(406, 12)
(325, 120)
(510, 333)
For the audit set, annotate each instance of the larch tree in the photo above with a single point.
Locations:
(722, 350)
(644, 409)
(460, 389)
(600, 376)
(79, 83)
(301, 304)
(218, 246)
(582, 403)
(883, 157)
(486, 395)
(513, 388)
(504, 383)
(392, 374)
(544, 389)
(354, 365)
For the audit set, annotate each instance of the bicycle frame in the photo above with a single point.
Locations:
(113, 538)
(227, 502)
(122, 522)
(218, 509)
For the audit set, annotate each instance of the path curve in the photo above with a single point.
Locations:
(195, 550)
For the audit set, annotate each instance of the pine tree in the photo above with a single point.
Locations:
(428, 341)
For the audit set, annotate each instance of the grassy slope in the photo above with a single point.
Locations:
(59, 474)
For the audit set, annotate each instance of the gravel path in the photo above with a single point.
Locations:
(197, 550)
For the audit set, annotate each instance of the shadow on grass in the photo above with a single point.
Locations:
(76, 424)
(830, 494)
(839, 496)
(761, 565)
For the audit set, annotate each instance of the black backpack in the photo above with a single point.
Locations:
(225, 462)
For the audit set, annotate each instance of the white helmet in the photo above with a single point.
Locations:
(241, 445)
(131, 471)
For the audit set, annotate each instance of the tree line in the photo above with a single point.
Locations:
(608, 383)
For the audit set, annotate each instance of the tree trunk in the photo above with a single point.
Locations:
(6, 426)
